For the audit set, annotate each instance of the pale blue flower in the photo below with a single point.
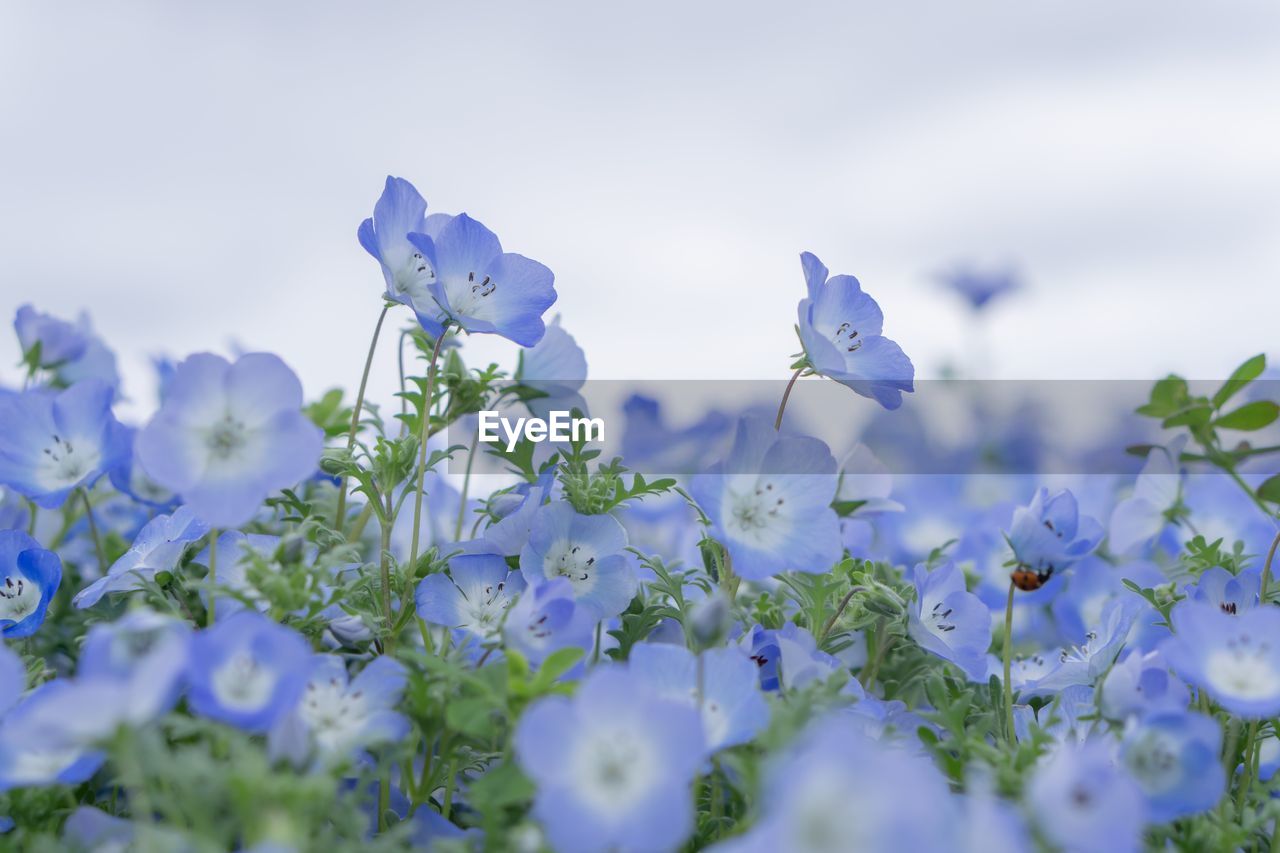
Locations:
(547, 618)
(1174, 757)
(29, 578)
(58, 340)
(950, 621)
(158, 547)
(473, 598)
(1235, 659)
(1049, 534)
(49, 738)
(1141, 684)
(145, 651)
(1230, 593)
(408, 275)
(1085, 802)
(1139, 518)
(586, 549)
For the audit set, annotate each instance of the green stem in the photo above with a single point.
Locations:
(447, 805)
(213, 577)
(93, 530)
(831, 623)
(340, 521)
(31, 518)
(389, 645)
(786, 395)
(1249, 772)
(466, 486)
(869, 673)
(424, 434)
(1266, 569)
(1008, 664)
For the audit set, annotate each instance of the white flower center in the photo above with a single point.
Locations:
(1243, 670)
(63, 464)
(413, 279)
(573, 561)
(757, 512)
(1153, 760)
(616, 767)
(243, 684)
(226, 438)
(483, 614)
(19, 597)
(334, 715)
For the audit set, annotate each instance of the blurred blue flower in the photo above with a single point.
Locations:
(229, 435)
(1230, 593)
(1084, 801)
(547, 618)
(408, 275)
(613, 765)
(13, 678)
(1174, 758)
(478, 286)
(29, 578)
(158, 548)
(1085, 663)
(979, 288)
(770, 502)
(950, 621)
(557, 367)
(128, 477)
(1139, 518)
(586, 549)
(247, 671)
(517, 509)
(146, 652)
(1141, 684)
(789, 658)
(1235, 659)
(237, 553)
(473, 597)
(339, 715)
(732, 708)
(55, 442)
(1049, 534)
(840, 327)
(94, 831)
(48, 738)
(59, 341)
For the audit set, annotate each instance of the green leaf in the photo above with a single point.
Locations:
(1243, 375)
(1196, 415)
(556, 664)
(1167, 397)
(1270, 490)
(1250, 416)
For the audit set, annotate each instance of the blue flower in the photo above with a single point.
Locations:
(1050, 535)
(586, 549)
(547, 618)
(91, 829)
(840, 327)
(1174, 759)
(979, 288)
(732, 708)
(479, 287)
(247, 671)
(237, 552)
(1139, 518)
(1230, 593)
(950, 621)
(58, 340)
(1235, 659)
(29, 578)
(613, 765)
(1084, 802)
(770, 502)
(145, 651)
(519, 507)
(129, 478)
(49, 738)
(13, 678)
(1085, 663)
(338, 715)
(53, 443)
(788, 658)
(399, 211)
(158, 548)
(473, 598)
(557, 368)
(228, 435)
(1141, 684)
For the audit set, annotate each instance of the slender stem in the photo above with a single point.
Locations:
(466, 486)
(93, 529)
(31, 517)
(404, 404)
(844, 602)
(869, 672)
(340, 521)
(424, 434)
(384, 797)
(1249, 771)
(595, 656)
(1008, 664)
(786, 395)
(1266, 569)
(447, 805)
(213, 577)
(388, 522)
(362, 520)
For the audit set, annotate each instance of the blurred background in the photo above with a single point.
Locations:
(193, 175)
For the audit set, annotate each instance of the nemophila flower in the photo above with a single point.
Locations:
(770, 502)
(586, 549)
(788, 657)
(612, 765)
(979, 288)
(547, 618)
(473, 598)
(517, 510)
(1174, 759)
(338, 715)
(1090, 586)
(399, 211)
(55, 442)
(13, 678)
(29, 578)
(1235, 659)
(1084, 663)
(15, 512)
(52, 735)
(991, 825)
(837, 789)
(1084, 800)
(93, 830)
(840, 327)
(1071, 716)
(128, 477)
(950, 621)
(727, 697)
(247, 671)
(47, 341)
(556, 367)
(1139, 518)
(1230, 593)
(228, 435)
(651, 444)
(1141, 684)
(158, 548)
(145, 651)
(237, 553)
(1049, 535)
(480, 287)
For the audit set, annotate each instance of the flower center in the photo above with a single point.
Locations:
(64, 465)
(754, 510)
(846, 338)
(243, 684)
(19, 598)
(226, 438)
(574, 563)
(1243, 669)
(485, 612)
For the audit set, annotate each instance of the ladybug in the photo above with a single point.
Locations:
(1029, 580)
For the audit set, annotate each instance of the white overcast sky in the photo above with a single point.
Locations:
(194, 173)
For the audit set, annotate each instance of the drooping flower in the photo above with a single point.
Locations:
(586, 549)
(547, 618)
(950, 621)
(338, 714)
(1141, 684)
(613, 765)
(1084, 801)
(770, 502)
(247, 671)
(480, 287)
(158, 548)
(473, 598)
(1049, 534)
(56, 442)
(29, 578)
(840, 327)
(47, 341)
(1235, 659)
(228, 435)
(145, 651)
(1174, 759)
(1139, 518)
(399, 211)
